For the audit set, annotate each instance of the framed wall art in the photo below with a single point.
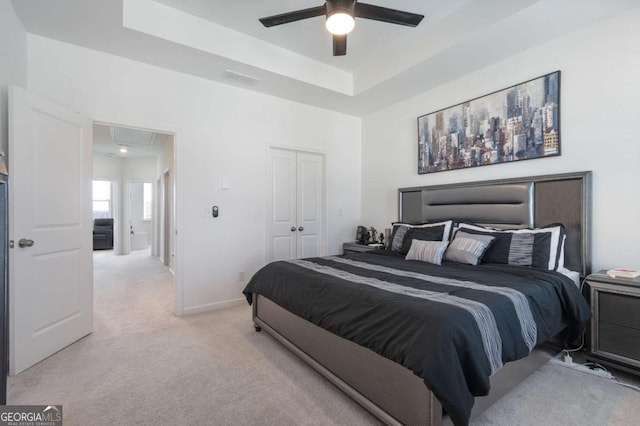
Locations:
(521, 122)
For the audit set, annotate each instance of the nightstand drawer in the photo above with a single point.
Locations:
(619, 309)
(618, 340)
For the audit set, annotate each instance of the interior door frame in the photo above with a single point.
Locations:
(115, 207)
(175, 223)
(157, 224)
(165, 228)
(269, 198)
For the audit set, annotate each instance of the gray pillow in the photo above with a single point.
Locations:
(427, 251)
(468, 248)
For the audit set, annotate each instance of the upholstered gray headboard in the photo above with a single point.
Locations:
(512, 203)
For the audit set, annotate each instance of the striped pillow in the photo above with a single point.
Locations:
(468, 248)
(427, 251)
(538, 248)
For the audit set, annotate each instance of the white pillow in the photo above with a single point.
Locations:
(427, 251)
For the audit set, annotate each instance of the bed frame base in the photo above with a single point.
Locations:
(386, 389)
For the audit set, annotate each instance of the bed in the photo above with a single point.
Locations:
(381, 371)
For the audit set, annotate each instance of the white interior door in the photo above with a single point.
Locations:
(309, 205)
(282, 218)
(51, 268)
(296, 205)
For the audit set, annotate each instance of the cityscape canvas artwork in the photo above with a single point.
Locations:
(518, 123)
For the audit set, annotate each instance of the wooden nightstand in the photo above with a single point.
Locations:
(615, 326)
(358, 248)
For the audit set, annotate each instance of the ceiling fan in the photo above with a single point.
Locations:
(341, 16)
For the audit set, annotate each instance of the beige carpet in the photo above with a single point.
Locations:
(142, 365)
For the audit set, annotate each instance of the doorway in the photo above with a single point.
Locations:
(104, 204)
(139, 164)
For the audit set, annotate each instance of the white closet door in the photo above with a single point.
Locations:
(309, 204)
(296, 205)
(282, 214)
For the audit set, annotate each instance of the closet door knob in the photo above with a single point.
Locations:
(293, 229)
(301, 229)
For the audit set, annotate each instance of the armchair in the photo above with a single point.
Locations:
(102, 234)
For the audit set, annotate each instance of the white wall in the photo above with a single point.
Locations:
(165, 158)
(13, 62)
(139, 169)
(107, 168)
(221, 131)
(600, 110)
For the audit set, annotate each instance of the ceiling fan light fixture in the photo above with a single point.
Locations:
(340, 18)
(340, 23)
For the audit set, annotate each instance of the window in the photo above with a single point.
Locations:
(101, 199)
(146, 210)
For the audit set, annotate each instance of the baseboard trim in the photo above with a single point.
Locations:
(213, 306)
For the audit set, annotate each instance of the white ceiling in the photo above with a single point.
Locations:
(107, 140)
(385, 63)
(369, 40)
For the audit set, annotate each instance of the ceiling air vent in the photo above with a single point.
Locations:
(131, 137)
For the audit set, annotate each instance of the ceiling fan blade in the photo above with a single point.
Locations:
(297, 15)
(339, 45)
(393, 16)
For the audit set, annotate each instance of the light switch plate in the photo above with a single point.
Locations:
(225, 183)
